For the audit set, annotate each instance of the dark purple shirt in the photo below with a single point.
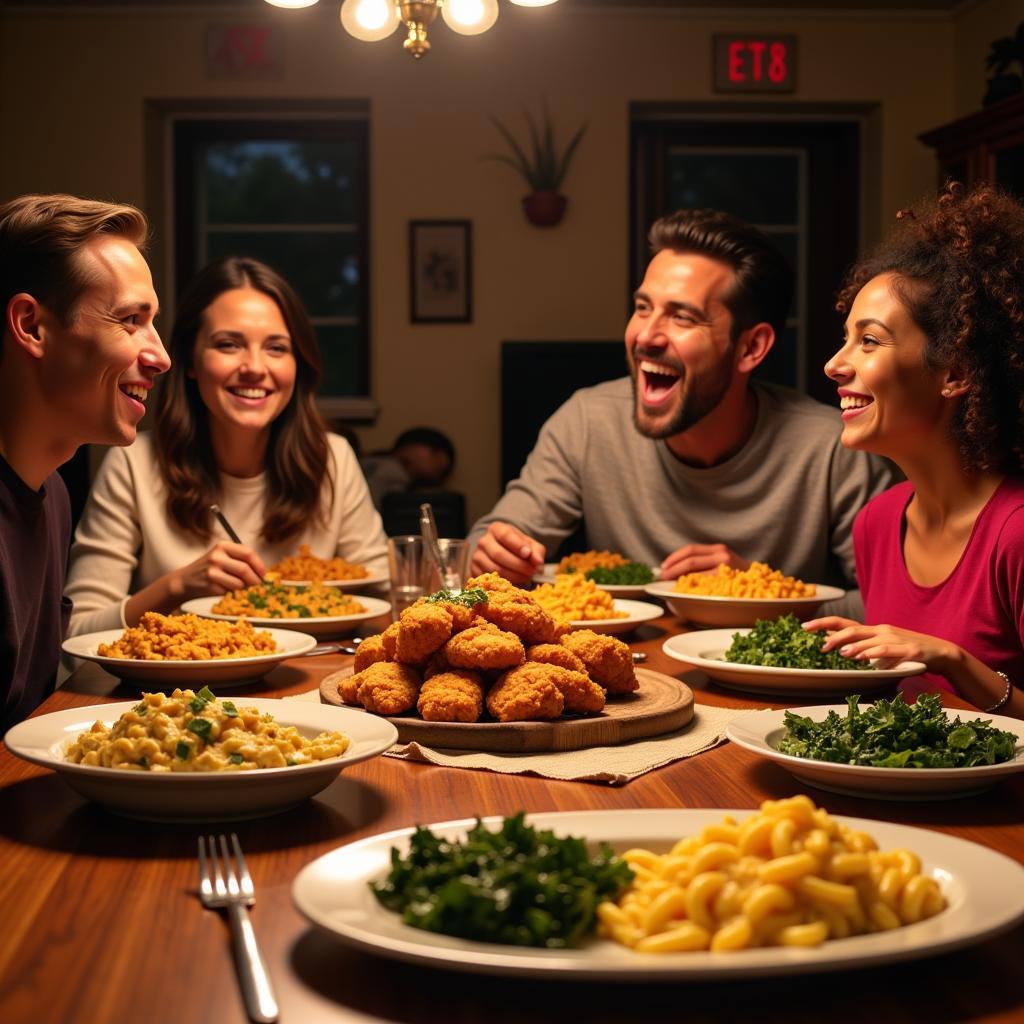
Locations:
(979, 606)
(35, 533)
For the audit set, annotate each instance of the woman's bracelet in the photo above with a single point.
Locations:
(1006, 696)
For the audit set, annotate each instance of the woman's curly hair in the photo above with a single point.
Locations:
(959, 261)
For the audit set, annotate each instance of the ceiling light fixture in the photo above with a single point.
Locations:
(371, 20)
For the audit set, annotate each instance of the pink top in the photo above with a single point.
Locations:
(979, 606)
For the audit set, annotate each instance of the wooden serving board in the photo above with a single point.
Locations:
(661, 705)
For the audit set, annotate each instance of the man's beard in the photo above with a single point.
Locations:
(701, 395)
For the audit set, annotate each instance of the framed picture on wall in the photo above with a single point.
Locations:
(440, 272)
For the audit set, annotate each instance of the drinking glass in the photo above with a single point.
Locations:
(414, 573)
(407, 569)
(454, 560)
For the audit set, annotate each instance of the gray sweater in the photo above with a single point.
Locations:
(788, 497)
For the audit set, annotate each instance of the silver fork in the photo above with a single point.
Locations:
(225, 888)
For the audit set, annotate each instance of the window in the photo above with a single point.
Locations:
(294, 194)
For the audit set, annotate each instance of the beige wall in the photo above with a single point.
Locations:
(976, 27)
(72, 88)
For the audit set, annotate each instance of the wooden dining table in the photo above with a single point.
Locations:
(100, 919)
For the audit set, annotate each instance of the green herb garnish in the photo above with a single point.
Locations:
(229, 709)
(183, 750)
(517, 886)
(236, 759)
(140, 709)
(201, 699)
(894, 734)
(469, 598)
(784, 643)
(143, 762)
(290, 761)
(201, 727)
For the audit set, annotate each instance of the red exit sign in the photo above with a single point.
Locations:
(754, 63)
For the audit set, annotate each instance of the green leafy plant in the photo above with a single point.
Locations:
(539, 163)
(1005, 52)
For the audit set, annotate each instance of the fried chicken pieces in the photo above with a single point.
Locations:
(450, 660)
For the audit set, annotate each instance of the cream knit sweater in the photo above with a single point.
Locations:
(125, 540)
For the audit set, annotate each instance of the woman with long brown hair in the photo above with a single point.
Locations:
(237, 425)
(931, 374)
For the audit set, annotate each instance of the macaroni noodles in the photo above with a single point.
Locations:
(306, 566)
(788, 876)
(196, 732)
(583, 561)
(574, 597)
(759, 581)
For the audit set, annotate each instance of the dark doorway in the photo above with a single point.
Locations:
(796, 178)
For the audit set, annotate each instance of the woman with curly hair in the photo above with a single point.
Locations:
(931, 375)
(237, 425)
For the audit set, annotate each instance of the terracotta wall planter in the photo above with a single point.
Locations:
(545, 209)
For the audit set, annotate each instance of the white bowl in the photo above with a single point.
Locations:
(192, 674)
(739, 611)
(762, 731)
(200, 796)
(367, 581)
(705, 649)
(323, 627)
(637, 612)
(550, 574)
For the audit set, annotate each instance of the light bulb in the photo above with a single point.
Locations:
(369, 20)
(534, 3)
(470, 17)
(291, 4)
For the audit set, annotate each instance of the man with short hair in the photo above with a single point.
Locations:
(716, 469)
(79, 354)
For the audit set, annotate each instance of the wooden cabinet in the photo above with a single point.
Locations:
(986, 146)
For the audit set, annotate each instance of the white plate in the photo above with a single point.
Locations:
(550, 574)
(761, 732)
(193, 674)
(200, 796)
(984, 890)
(637, 612)
(321, 627)
(738, 611)
(705, 649)
(367, 581)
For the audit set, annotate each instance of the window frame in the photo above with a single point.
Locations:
(171, 193)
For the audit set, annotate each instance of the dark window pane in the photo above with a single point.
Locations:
(788, 243)
(323, 267)
(267, 182)
(780, 366)
(760, 188)
(339, 349)
(1010, 170)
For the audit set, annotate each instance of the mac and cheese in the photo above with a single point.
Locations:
(759, 581)
(576, 598)
(196, 732)
(306, 566)
(788, 876)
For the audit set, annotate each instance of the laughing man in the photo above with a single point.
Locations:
(716, 468)
(78, 357)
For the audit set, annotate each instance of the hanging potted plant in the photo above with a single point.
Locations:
(543, 169)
